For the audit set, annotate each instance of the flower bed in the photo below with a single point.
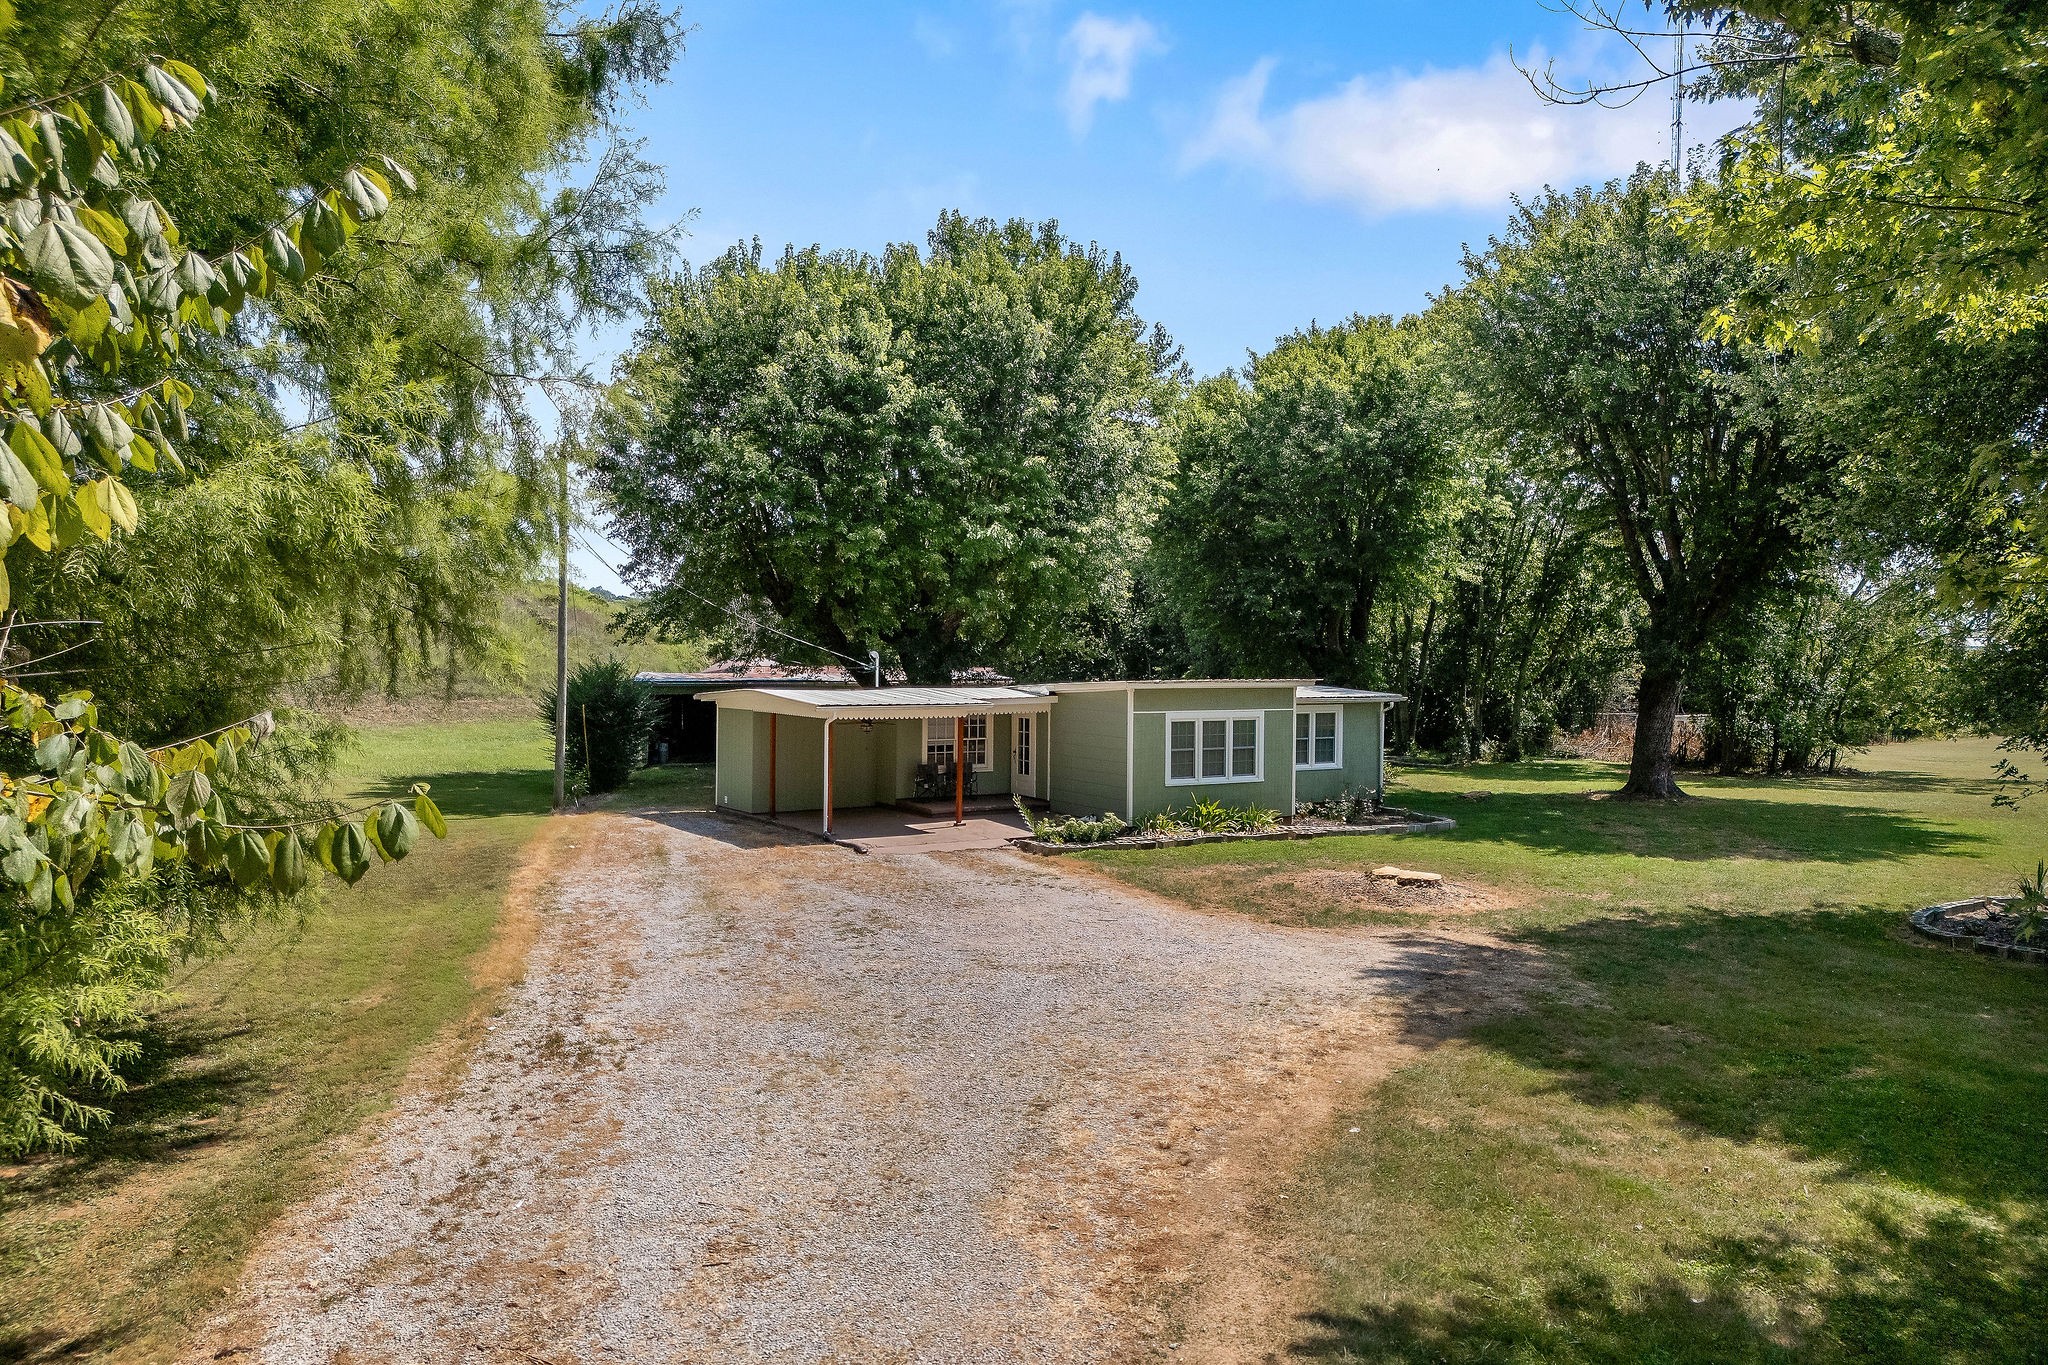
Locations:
(1985, 923)
(1387, 820)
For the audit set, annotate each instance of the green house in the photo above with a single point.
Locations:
(1135, 748)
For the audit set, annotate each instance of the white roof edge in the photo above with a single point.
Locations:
(1119, 684)
(1318, 692)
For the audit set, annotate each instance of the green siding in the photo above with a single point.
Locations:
(1087, 751)
(1361, 770)
(1274, 790)
(735, 770)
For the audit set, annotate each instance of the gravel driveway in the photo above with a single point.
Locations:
(759, 1101)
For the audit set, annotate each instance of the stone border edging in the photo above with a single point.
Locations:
(1418, 823)
(1926, 922)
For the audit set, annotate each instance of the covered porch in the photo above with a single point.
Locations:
(807, 757)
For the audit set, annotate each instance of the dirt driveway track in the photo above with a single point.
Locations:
(763, 1101)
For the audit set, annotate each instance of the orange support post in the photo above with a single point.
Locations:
(960, 770)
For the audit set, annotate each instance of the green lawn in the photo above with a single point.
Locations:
(269, 1057)
(1750, 1119)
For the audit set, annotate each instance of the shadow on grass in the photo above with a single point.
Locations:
(518, 792)
(177, 1089)
(1829, 1032)
(1956, 1290)
(1708, 828)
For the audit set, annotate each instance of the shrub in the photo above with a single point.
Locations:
(610, 717)
(1072, 829)
(1349, 807)
(2032, 907)
(1210, 816)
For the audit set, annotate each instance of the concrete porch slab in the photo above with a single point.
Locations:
(885, 829)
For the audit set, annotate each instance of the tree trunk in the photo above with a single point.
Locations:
(1649, 766)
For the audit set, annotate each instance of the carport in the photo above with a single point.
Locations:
(785, 750)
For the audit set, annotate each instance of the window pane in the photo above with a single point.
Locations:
(1181, 757)
(1300, 738)
(1326, 737)
(1023, 746)
(1244, 749)
(1212, 748)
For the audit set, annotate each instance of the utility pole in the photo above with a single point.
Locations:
(1678, 108)
(562, 643)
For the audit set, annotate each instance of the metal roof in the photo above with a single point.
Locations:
(882, 703)
(1318, 692)
(1118, 684)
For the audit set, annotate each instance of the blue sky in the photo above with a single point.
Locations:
(1259, 166)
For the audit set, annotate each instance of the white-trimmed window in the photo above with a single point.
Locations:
(977, 743)
(1319, 738)
(1217, 746)
(1023, 746)
(938, 739)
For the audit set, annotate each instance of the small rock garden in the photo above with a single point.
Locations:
(2013, 927)
(1210, 821)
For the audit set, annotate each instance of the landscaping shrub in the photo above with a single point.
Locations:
(1072, 829)
(610, 716)
(1352, 806)
(1209, 816)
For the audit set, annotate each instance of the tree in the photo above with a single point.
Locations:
(389, 468)
(1307, 492)
(1582, 327)
(944, 454)
(111, 854)
(610, 716)
(1895, 171)
(1523, 633)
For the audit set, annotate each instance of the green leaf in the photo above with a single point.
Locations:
(283, 256)
(65, 260)
(108, 430)
(206, 842)
(114, 118)
(62, 436)
(288, 865)
(189, 792)
(130, 844)
(20, 864)
(173, 96)
(16, 482)
(54, 752)
(430, 815)
(248, 858)
(16, 169)
(369, 198)
(39, 458)
(350, 853)
(397, 830)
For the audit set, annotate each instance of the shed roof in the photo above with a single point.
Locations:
(883, 703)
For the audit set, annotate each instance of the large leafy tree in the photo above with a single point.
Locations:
(1896, 168)
(170, 300)
(1309, 491)
(941, 454)
(391, 404)
(1583, 333)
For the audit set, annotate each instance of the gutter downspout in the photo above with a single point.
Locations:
(1131, 754)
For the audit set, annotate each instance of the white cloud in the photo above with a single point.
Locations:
(1100, 54)
(1467, 137)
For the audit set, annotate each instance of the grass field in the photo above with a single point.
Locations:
(267, 1058)
(1749, 1120)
